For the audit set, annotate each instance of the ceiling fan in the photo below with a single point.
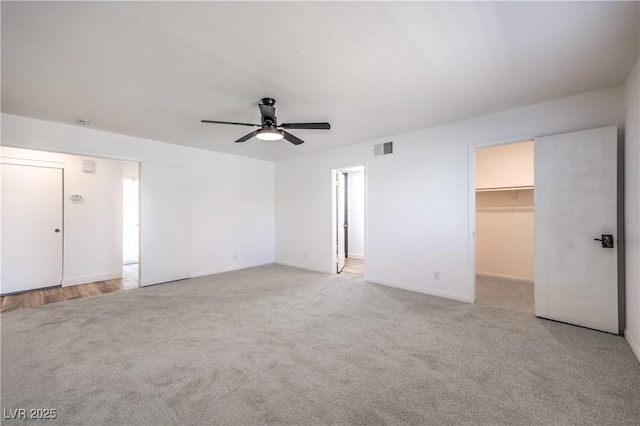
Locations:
(269, 129)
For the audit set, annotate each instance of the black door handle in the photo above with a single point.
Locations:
(607, 240)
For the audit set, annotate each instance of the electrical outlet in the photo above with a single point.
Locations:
(235, 256)
(305, 254)
(436, 275)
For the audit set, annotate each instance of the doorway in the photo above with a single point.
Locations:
(130, 225)
(73, 204)
(576, 226)
(349, 220)
(504, 216)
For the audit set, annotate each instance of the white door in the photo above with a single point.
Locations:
(31, 227)
(165, 218)
(576, 279)
(340, 223)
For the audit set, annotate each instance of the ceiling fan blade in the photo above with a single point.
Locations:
(247, 137)
(318, 126)
(267, 111)
(229, 122)
(294, 140)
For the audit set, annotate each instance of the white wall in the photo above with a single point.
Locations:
(305, 206)
(632, 209)
(418, 216)
(504, 234)
(231, 196)
(130, 219)
(92, 227)
(131, 170)
(355, 202)
(505, 165)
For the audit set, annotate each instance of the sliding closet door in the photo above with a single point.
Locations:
(165, 218)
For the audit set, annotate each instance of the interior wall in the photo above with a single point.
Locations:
(418, 218)
(504, 234)
(305, 207)
(131, 170)
(355, 203)
(93, 226)
(231, 197)
(632, 209)
(507, 165)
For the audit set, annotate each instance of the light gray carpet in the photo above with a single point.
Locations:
(278, 345)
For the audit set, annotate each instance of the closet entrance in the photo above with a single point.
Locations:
(577, 225)
(504, 177)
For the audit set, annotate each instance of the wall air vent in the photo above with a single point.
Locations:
(383, 149)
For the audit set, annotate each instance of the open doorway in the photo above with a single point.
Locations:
(77, 221)
(504, 184)
(130, 225)
(574, 211)
(349, 220)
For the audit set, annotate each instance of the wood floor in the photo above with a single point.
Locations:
(39, 297)
(353, 267)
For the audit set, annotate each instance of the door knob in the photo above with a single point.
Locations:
(57, 230)
(607, 240)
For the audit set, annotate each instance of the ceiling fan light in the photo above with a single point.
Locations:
(269, 134)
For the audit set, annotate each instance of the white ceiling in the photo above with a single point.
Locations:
(372, 69)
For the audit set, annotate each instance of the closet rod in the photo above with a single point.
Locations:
(505, 188)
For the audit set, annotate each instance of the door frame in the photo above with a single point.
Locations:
(472, 199)
(20, 161)
(340, 218)
(334, 209)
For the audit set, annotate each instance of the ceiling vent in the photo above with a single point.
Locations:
(383, 149)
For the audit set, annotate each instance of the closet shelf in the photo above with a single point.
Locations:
(514, 190)
(505, 188)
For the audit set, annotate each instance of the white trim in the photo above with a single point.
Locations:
(29, 162)
(430, 292)
(633, 345)
(507, 277)
(91, 278)
(301, 266)
(356, 256)
(226, 269)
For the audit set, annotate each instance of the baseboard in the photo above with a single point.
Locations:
(633, 345)
(227, 269)
(301, 266)
(91, 278)
(506, 277)
(421, 290)
(356, 256)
